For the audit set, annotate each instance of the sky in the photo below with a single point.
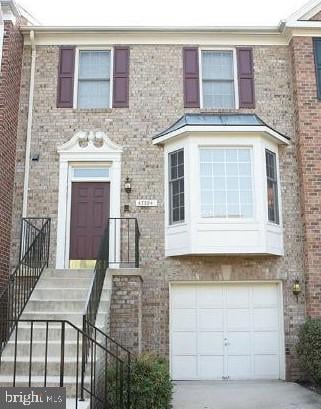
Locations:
(163, 12)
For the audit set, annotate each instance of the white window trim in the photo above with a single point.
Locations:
(236, 85)
(76, 72)
(228, 219)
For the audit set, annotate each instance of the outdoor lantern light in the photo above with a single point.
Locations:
(296, 288)
(128, 186)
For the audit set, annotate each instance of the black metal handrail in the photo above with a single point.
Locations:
(124, 238)
(33, 258)
(123, 245)
(107, 382)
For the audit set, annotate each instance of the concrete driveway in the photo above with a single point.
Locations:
(244, 395)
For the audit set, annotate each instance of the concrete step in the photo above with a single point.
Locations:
(39, 348)
(65, 294)
(38, 381)
(72, 274)
(38, 366)
(74, 317)
(64, 282)
(55, 305)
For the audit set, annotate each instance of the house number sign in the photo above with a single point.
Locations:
(146, 203)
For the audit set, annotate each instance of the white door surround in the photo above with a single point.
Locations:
(84, 149)
(226, 330)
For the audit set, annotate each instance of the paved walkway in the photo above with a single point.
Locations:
(244, 395)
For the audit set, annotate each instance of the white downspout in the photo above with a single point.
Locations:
(29, 125)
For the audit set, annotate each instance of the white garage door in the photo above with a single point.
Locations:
(229, 331)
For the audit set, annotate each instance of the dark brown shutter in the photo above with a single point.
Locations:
(246, 77)
(191, 78)
(121, 77)
(66, 68)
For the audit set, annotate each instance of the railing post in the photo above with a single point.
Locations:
(62, 354)
(136, 244)
(83, 359)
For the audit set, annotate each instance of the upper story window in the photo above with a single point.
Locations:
(226, 182)
(176, 186)
(94, 74)
(218, 79)
(272, 187)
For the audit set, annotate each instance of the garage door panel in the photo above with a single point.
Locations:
(211, 367)
(266, 367)
(266, 343)
(265, 295)
(239, 343)
(184, 297)
(211, 319)
(239, 367)
(184, 343)
(265, 319)
(237, 296)
(209, 296)
(246, 314)
(211, 343)
(184, 367)
(238, 319)
(184, 319)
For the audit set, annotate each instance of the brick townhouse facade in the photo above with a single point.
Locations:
(210, 140)
(11, 47)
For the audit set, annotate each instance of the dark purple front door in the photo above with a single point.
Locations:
(89, 214)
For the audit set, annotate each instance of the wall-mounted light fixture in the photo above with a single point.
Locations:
(296, 288)
(128, 185)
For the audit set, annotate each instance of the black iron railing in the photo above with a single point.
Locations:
(34, 255)
(123, 242)
(58, 362)
(119, 246)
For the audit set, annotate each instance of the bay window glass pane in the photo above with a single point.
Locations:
(272, 187)
(93, 94)
(94, 65)
(176, 186)
(227, 190)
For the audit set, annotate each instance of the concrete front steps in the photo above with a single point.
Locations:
(58, 295)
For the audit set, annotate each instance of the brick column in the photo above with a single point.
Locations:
(126, 311)
(308, 128)
(9, 106)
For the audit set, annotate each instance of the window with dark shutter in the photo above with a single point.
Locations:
(65, 89)
(317, 59)
(246, 77)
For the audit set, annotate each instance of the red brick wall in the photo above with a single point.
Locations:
(308, 127)
(9, 106)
